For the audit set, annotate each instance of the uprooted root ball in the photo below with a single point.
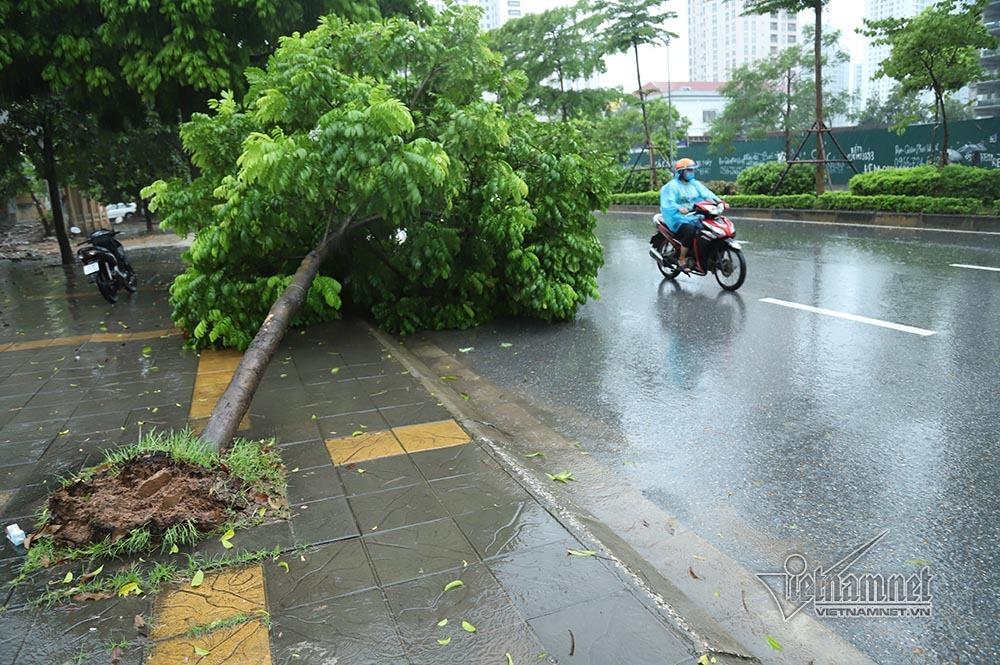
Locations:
(151, 491)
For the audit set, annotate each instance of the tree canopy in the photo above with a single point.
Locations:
(937, 50)
(553, 48)
(449, 211)
(775, 94)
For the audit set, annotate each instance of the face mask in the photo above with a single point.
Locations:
(687, 176)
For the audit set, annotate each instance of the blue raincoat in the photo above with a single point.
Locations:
(678, 194)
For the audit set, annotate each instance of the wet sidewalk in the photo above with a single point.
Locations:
(392, 502)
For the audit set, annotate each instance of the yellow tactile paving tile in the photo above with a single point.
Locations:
(364, 447)
(215, 370)
(246, 644)
(222, 595)
(83, 339)
(428, 436)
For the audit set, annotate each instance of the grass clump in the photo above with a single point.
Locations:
(249, 479)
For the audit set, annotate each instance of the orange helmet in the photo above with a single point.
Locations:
(685, 164)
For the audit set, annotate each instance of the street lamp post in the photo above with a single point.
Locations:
(670, 113)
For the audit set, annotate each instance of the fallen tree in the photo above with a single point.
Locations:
(373, 145)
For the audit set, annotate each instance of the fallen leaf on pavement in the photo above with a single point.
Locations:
(773, 643)
(454, 585)
(139, 623)
(445, 642)
(468, 627)
(201, 652)
(466, 349)
(692, 573)
(505, 345)
(563, 477)
(197, 579)
(442, 623)
(581, 552)
(535, 454)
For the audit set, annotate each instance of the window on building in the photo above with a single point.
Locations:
(774, 49)
(774, 26)
(791, 27)
(791, 39)
(774, 39)
(514, 12)
(708, 116)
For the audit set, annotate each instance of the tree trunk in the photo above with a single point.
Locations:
(229, 410)
(944, 130)
(653, 177)
(788, 115)
(41, 215)
(141, 209)
(562, 96)
(49, 166)
(818, 54)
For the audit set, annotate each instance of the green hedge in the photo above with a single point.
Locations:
(952, 181)
(762, 201)
(836, 201)
(760, 179)
(895, 203)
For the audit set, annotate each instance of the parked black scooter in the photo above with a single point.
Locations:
(105, 263)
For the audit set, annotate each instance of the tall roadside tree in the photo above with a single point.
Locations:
(552, 48)
(374, 145)
(794, 7)
(775, 94)
(626, 25)
(936, 50)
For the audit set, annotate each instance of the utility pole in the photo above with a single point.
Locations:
(670, 112)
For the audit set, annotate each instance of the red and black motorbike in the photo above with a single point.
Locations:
(713, 249)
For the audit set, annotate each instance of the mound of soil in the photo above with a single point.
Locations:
(152, 491)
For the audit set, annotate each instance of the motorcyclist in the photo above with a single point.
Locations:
(677, 199)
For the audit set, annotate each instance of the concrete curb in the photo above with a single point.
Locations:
(921, 221)
(656, 557)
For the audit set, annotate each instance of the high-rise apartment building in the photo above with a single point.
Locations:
(988, 90)
(495, 12)
(875, 54)
(721, 38)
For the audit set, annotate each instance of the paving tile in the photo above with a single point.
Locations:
(222, 595)
(23, 452)
(16, 627)
(420, 604)
(428, 436)
(413, 414)
(395, 508)
(477, 490)
(304, 454)
(350, 629)
(317, 575)
(27, 501)
(364, 447)
(544, 579)
(246, 644)
(321, 482)
(14, 477)
(455, 461)
(335, 427)
(415, 551)
(376, 475)
(513, 527)
(323, 522)
(601, 628)
(80, 633)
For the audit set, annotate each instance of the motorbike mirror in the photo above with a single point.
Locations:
(75, 230)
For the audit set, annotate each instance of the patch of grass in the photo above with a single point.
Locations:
(258, 464)
(230, 622)
(181, 446)
(180, 535)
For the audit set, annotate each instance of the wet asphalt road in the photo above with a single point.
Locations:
(770, 430)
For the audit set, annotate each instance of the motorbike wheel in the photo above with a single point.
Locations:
(131, 282)
(668, 270)
(730, 269)
(107, 287)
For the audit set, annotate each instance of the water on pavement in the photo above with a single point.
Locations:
(771, 430)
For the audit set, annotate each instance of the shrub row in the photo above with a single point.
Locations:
(836, 201)
(760, 179)
(953, 181)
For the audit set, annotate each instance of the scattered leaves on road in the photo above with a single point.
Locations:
(334, 370)
(510, 660)
(283, 565)
(226, 538)
(563, 477)
(449, 377)
(201, 652)
(505, 345)
(147, 351)
(468, 627)
(692, 573)
(581, 552)
(442, 623)
(773, 643)
(92, 574)
(537, 453)
(68, 578)
(919, 563)
(453, 585)
(129, 588)
(466, 349)
(445, 642)
(197, 579)
(465, 396)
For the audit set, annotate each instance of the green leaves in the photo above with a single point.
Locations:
(564, 477)
(468, 627)
(453, 585)
(197, 579)
(773, 643)
(582, 553)
(227, 538)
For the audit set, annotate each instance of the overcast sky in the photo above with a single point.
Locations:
(653, 60)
